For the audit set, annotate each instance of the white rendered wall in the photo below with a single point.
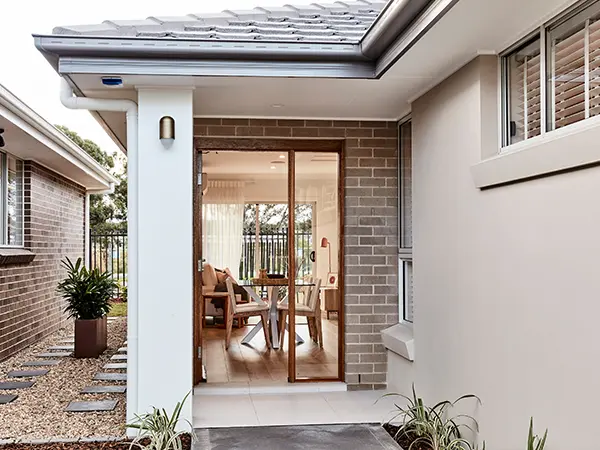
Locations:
(506, 280)
(165, 265)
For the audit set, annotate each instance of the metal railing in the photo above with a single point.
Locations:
(108, 252)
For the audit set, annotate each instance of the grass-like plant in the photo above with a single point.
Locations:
(534, 442)
(157, 430)
(87, 292)
(434, 426)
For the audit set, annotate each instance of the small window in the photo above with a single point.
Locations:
(522, 92)
(11, 184)
(405, 263)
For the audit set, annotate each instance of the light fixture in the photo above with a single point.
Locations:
(2, 143)
(273, 167)
(326, 244)
(277, 105)
(167, 131)
(282, 156)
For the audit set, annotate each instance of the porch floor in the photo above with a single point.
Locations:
(291, 408)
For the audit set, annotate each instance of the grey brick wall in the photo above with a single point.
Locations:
(53, 228)
(371, 220)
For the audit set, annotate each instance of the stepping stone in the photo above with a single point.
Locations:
(103, 405)
(67, 341)
(53, 355)
(119, 357)
(27, 373)
(45, 362)
(105, 376)
(4, 399)
(122, 350)
(60, 348)
(12, 385)
(104, 390)
(115, 366)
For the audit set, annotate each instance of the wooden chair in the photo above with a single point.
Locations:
(256, 307)
(311, 310)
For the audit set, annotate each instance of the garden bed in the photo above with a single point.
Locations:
(404, 439)
(114, 445)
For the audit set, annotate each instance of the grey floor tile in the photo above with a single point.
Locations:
(60, 348)
(104, 390)
(53, 355)
(106, 376)
(27, 373)
(102, 405)
(115, 366)
(119, 357)
(122, 350)
(4, 399)
(11, 385)
(42, 362)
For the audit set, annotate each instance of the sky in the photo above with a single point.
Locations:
(27, 74)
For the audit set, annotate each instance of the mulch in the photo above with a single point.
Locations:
(405, 439)
(123, 445)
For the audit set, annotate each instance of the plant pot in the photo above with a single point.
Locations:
(90, 337)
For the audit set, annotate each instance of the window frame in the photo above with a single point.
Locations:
(4, 156)
(571, 16)
(405, 253)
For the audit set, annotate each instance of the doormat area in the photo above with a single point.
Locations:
(304, 437)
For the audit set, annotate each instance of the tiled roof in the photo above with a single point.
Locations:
(341, 21)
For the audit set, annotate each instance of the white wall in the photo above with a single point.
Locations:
(165, 253)
(506, 280)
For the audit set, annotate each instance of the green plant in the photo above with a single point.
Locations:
(534, 442)
(158, 429)
(87, 292)
(123, 290)
(433, 426)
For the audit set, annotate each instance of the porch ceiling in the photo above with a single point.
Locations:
(470, 28)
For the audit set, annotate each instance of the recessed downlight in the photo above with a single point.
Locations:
(277, 105)
(273, 167)
(282, 156)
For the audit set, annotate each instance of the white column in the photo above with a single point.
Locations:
(86, 232)
(165, 253)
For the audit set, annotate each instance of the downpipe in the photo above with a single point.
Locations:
(69, 100)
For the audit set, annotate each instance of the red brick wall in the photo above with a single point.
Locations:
(371, 220)
(54, 227)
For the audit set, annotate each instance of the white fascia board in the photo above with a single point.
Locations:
(13, 109)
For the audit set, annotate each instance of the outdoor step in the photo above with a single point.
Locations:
(44, 362)
(4, 399)
(122, 350)
(115, 366)
(106, 376)
(27, 373)
(61, 348)
(119, 357)
(102, 405)
(53, 355)
(67, 341)
(104, 390)
(11, 385)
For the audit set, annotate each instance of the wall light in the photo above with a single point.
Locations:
(167, 131)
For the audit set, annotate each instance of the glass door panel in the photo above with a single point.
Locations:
(317, 255)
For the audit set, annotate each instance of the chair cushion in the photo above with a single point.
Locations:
(299, 307)
(209, 276)
(221, 276)
(249, 307)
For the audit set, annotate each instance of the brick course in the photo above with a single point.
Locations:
(371, 220)
(53, 228)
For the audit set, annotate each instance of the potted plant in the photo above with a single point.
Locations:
(88, 294)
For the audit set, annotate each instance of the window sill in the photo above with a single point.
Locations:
(15, 255)
(399, 339)
(569, 148)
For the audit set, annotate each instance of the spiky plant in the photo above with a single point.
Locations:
(157, 430)
(534, 442)
(87, 292)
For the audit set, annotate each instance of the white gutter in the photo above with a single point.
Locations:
(131, 109)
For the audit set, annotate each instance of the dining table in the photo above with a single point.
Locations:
(276, 293)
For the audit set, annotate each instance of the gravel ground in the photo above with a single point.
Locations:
(39, 412)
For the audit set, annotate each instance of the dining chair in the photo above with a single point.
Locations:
(311, 310)
(256, 307)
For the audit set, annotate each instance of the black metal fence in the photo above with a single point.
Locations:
(273, 251)
(108, 252)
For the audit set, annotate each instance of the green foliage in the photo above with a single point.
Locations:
(534, 442)
(274, 217)
(123, 292)
(433, 426)
(90, 147)
(87, 292)
(158, 429)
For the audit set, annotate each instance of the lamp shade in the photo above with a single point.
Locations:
(324, 242)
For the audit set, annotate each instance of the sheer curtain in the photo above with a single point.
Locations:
(223, 224)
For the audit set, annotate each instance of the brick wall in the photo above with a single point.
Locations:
(54, 228)
(371, 217)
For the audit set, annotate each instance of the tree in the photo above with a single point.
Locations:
(107, 212)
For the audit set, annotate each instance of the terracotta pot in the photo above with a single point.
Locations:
(90, 338)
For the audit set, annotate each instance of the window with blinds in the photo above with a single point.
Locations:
(570, 67)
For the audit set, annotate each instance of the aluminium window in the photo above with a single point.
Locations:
(566, 55)
(11, 206)
(405, 263)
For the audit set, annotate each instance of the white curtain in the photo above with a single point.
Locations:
(223, 224)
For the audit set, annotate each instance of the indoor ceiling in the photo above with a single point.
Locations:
(470, 28)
